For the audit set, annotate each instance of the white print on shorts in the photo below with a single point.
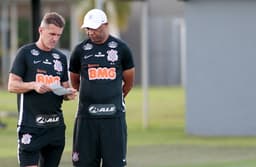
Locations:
(26, 138)
(75, 156)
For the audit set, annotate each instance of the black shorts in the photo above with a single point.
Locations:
(100, 139)
(42, 146)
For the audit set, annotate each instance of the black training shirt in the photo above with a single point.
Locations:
(33, 64)
(101, 69)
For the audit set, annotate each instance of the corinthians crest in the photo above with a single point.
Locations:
(57, 65)
(112, 55)
(26, 138)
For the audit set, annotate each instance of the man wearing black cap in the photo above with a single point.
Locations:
(102, 68)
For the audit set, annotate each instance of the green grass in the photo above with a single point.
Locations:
(163, 144)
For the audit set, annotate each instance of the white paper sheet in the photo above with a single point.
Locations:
(59, 90)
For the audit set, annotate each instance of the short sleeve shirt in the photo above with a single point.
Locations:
(101, 69)
(33, 64)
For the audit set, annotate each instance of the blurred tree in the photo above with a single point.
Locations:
(24, 31)
(118, 12)
(65, 38)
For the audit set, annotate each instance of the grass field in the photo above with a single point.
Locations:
(163, 144)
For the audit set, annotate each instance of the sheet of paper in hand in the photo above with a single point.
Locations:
(59, 90)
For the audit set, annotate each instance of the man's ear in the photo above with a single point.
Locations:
(40, 29)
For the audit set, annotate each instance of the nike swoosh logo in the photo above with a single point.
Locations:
(36, 62)
(86, 57)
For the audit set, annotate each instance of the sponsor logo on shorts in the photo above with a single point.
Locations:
(102, 109)
(43, 120)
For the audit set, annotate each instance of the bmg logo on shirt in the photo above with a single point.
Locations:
(102, 73)
(47, 79)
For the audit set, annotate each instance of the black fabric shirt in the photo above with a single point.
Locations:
(33, 64)
(101, 69)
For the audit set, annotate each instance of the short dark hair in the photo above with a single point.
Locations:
(53, 18)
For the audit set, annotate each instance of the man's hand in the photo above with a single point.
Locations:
(72, 95)
(41, 88)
